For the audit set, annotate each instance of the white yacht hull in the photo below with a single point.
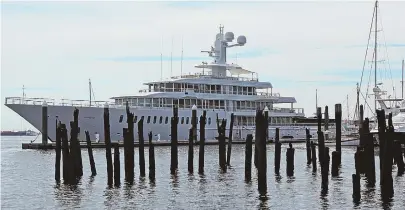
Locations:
(91, 119)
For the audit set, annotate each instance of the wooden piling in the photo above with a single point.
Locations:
(190, 152)
(382, 127)
(335, 164)
(129, 153)
(117, 169)
(221, 146)
(290, 160)
(108, 145)
(202, 143)
(141, 149)
(326, 124)
(261, 149)
(91, 157)
(74, 141)
(325, 168)
(357, 162)
(151, 158)
(356, 187)
(398, 157)
(308, 145)
(387, 187)
(338, 132)
(65, 154)
(277, 152)
(321, 147)
(313, 149)
(228, 154)
(58, 148)
(44, 123)
(368, 153)
(248, 157)
(174, 151)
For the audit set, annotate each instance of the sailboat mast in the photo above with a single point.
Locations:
(347, 105)
(316, 100)
(375, 54)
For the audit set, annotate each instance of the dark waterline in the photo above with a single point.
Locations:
(27, 182)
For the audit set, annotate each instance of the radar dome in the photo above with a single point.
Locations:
(241, 40)
(229, 36)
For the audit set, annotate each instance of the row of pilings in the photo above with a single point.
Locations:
(318, 155)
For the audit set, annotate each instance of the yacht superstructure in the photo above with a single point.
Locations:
(221, 88)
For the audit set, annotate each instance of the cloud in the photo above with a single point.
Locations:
(53, 48)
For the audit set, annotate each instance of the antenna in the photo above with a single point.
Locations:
(171, 60)
(90, 90)
(23, 89)
(402, 82)
(316, 99)
(181, 61)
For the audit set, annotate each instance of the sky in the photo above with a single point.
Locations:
(53, 48)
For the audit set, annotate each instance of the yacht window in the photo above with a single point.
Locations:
(148, 120)
(182, 120)
(167, 120)
(187, 120)
(160, 120)
(154, 120)
(209, 121)
(402, 110)
(135, 118)
(121, 118)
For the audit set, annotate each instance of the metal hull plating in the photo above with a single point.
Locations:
(91, 119)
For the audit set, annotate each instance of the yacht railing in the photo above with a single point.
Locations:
(54, 102)
(208, 74)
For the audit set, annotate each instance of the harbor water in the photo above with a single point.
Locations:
(27, 182)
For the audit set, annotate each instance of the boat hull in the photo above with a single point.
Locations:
(92, 119)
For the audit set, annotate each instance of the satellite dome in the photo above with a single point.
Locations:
(229, 36)
(241, 40)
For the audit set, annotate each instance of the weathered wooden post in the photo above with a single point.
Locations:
(382, 127)
(117, 169)
(356, 187)
(190, 151)
(108, 145)
(129, 162)
(277, 152)
(338, 133)
(174, 151)
(222, 151)
(202, 143)
(194, 122)
(357, 158)
(368, 152)
(91, 157)
(248, 157)
(321, 142)
(44, 123)
(398, 157)
(326, 124)
(262, 156)
(290, 160)
(308, 145)
(141, 149)
(361, 117)
(313, 149)
(65, 154)
(228, 154)
(325, 168)
(57, 152)
(387, 188)
(75, 144)
(151, 158)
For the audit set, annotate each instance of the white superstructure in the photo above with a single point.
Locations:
(220, 88)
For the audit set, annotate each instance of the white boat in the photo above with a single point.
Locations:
(221, 88)
(381, 101)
